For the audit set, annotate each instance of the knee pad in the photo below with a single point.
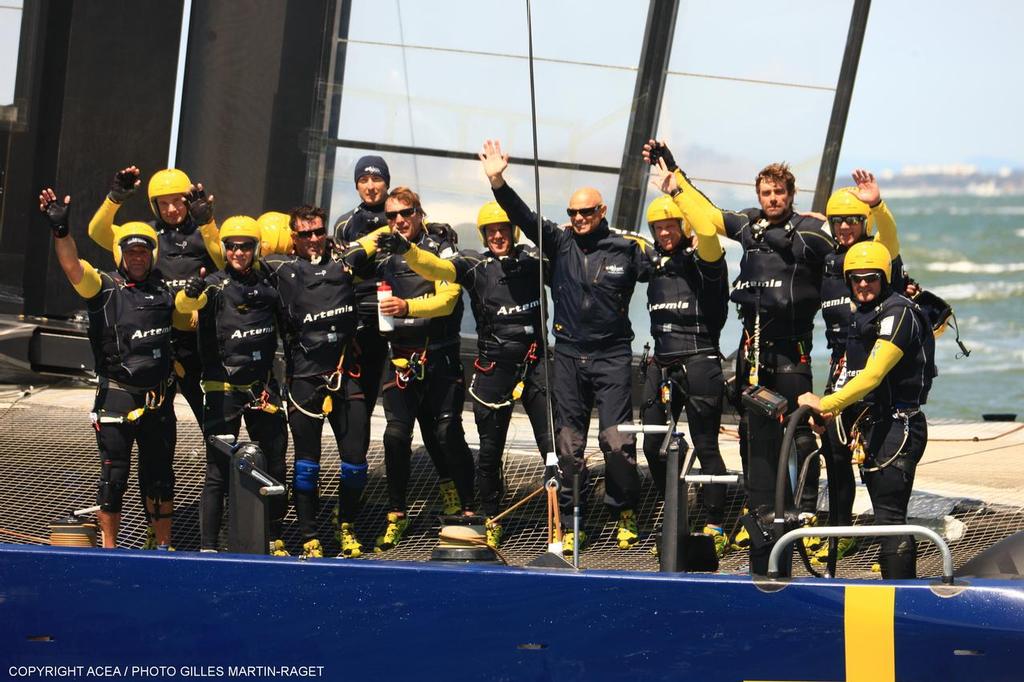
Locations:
(109, 495)
(353, 475)
(612, 441)
(159, 491)
(307, 475)
(397, 433)
(448, 429)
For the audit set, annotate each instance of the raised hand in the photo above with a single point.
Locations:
(392, 244)
(200, 206)
(867, 187)
(196, 284)
(126, 181)
(494, 162)
(56, 212)
(654, 150)
(663, 179)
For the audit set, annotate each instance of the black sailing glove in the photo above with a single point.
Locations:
(57, 213)
(199, 207)
(393, 244)
(661, 151)
(194, 286)
(123, 186)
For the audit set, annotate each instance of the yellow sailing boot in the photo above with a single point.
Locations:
(451, 503)
(397, 525)
(350, 545)
(277, 548)
(312, 550)
(627, 532)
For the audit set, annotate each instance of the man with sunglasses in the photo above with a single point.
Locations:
(238, 310)
(855, 215)
(130, 313)
(504, 289)
(316, 287)
(778, 291)
(366, 353)
(594, 270)
(890, 364)
(427, 384)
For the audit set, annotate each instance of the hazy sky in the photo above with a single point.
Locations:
(939, 82)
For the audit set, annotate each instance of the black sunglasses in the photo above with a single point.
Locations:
(837, 220)
(239, 246)
(585, 212)
(405, 213)
(307, 234)
(866, 278)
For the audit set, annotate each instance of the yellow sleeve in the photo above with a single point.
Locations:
(369, 241)
(101, 227)
(697, 208)
(211, 237)
(187, 305)
(446, 295)
(886, 226)
(429, 266)
(91, 282)
(883, 357)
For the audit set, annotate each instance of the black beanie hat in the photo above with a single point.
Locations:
(372, 165)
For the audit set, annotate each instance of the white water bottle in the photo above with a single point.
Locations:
(386, 323)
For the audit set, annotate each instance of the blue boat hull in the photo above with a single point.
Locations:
(200, 616)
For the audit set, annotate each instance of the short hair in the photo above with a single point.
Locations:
(778, 173)
(306, 212)
(406, 196)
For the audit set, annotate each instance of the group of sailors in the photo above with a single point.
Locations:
(375, 309)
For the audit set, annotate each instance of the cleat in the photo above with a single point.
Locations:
(721, 541)
(846, 547)
(626, 531)
(493, 533)
(350, 546)
(397, 525)
(277, 548)
(150, 541)
(312, 550)
(207, 551)
(567, 538)
(451, 503)
(812, 543)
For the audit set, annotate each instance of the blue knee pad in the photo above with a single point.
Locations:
(307, 475)
(353, 475)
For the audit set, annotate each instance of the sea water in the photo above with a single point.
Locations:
(969, 251)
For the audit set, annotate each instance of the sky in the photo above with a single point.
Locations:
(939, 82)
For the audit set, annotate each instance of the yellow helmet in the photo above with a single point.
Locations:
(138, 230)
(844, 201)
(275, 231)
(241, 227)
(166, 182)
(665, 208)
(492, 213)
(870, 255)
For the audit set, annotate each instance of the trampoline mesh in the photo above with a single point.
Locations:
(48, 461)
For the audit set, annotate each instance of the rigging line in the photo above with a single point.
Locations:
(543, 297)
(575, 62)
(408, 95)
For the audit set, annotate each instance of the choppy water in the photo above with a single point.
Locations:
(970, 251)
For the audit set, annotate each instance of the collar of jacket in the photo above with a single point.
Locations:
(591, 239)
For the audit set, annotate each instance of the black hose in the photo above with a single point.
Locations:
(782, 473)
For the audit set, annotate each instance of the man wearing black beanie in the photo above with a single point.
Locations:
(373, 179)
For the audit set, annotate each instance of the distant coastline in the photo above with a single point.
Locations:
(952, 180)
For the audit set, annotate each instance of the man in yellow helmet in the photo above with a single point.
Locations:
(890, 363)
(238, 310)
(130, 333)
(188, 237)
(687, 299)
(855, 215)
(778, 292)
(504, 289)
